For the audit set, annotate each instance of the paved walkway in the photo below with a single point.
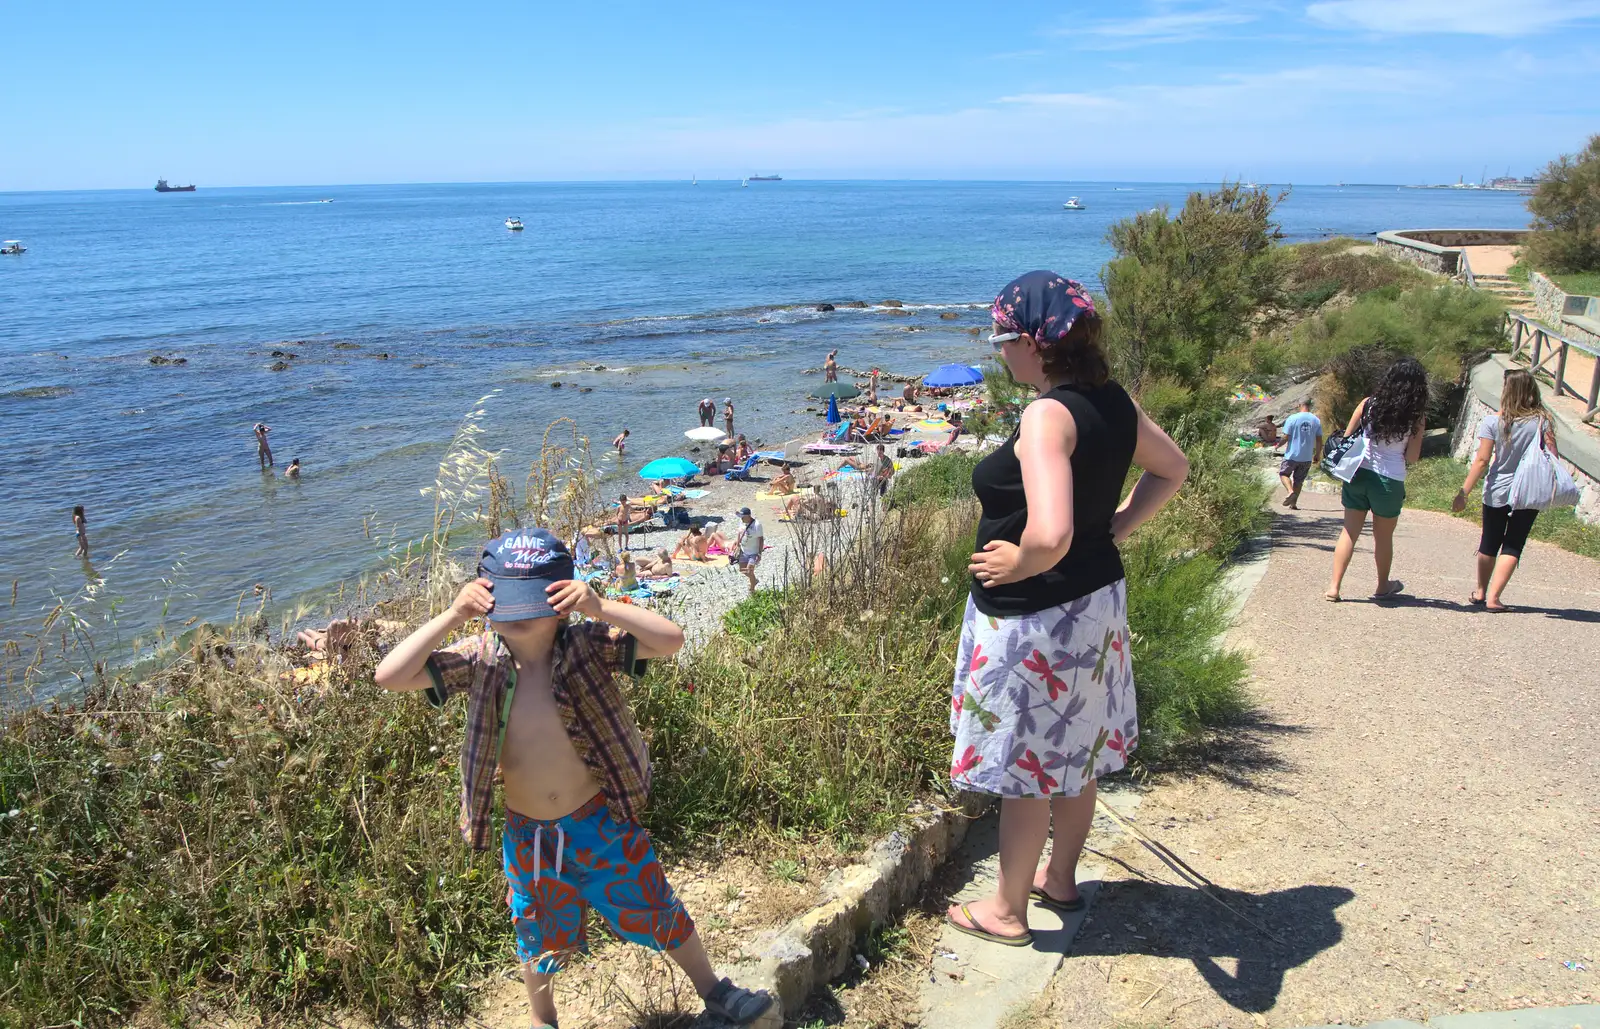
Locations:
(1415, 817)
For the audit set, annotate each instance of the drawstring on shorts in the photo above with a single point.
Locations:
(538, 848)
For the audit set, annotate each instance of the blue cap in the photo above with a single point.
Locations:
(521, 564)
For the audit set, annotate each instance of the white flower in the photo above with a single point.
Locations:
(14, 812)
(434, 749)
(155, 758)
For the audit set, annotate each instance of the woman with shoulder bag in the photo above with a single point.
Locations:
(1043, 701)
(1505, 440)
(1392, 422)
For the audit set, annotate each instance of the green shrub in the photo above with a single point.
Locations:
(223, 833)
(1566, 214)
(1314, 273)
(943, 478)
(752, 618)
(1178, 609)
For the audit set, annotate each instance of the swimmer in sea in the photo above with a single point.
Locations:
(263, 451)
(81, 523)
(293, 471)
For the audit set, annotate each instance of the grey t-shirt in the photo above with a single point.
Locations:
(1508, 453)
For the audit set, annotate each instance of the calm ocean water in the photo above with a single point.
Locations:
(680, 291)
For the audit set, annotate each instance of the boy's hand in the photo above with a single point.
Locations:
(571, 595)
(474, 601)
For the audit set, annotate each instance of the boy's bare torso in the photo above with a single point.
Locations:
(543, 775)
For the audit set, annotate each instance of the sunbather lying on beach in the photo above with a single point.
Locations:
(811, 508)
(655, 566)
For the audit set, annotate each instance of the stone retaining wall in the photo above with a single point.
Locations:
(1548, 299)
(1436, 250)
(1557, 309)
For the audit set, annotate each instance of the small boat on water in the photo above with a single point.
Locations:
(745, 183)
(514, 224)
(13, 246)
(1074, 204)
(162, 187)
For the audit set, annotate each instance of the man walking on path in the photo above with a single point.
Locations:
(1302, 432)
(708, 413)
(263, 452)
(751, 541)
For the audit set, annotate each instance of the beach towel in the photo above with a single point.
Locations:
(799, 491)
(691, 566)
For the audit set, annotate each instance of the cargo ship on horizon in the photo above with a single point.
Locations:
(162, 187)
(765, 178)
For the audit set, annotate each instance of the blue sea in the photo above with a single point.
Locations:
(680, 291)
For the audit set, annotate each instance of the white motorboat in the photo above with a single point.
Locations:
(13, 246)
(1074, 204)
(514, 224)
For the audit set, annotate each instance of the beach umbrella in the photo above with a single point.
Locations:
(705, 434)
(669, 468)
(833, 410)
(953, 375)
(836, 390)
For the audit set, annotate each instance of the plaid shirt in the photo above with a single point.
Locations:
(584, 666)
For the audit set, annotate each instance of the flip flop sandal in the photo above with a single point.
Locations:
(974, 929)
(1066, 907)
(1396, 587)
(1502, 609)
(1477, 601)
(735, 1003)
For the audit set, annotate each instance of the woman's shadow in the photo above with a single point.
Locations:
(1136, 916)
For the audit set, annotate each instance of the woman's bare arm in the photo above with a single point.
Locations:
(1165, 467)
(1355, 418)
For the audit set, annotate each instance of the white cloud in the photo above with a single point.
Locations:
(1467, 17)
(1075, 100)
(1166, 26)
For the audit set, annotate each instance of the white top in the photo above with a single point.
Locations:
(1387, 457)
(751, 538)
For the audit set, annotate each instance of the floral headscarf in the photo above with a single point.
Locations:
(1042, 304)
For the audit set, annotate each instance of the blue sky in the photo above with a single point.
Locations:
(111, 94)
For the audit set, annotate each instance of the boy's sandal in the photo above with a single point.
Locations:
(1396, 587)
(735, 1003)
(1502, 609)
(1476, 600)
(1066, 907)
(974, 929)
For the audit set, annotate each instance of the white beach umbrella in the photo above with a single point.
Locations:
(706, 433)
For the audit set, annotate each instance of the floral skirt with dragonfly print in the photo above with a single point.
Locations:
(1043, 703)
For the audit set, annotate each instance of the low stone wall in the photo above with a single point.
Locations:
(1548, 299)
(1466, 237)
(1567, 313)
(1579, 451)
(1429, 257)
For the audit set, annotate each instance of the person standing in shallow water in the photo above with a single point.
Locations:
(81, 523)
(263, 451)
(727, 415)
(708, 413)
(1043, 700)
(830, 367)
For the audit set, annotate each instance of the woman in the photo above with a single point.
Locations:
(1043, 700)
(1392, 422)
(657, 566)
(80, 524)
(782, 484)
(693, 545)
(1504, 440)
(727, 415)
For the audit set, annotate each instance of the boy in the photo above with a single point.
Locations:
(573, 764)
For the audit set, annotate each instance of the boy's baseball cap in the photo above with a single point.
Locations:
(521, 564)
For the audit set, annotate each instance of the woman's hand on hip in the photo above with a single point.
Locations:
(997, 563)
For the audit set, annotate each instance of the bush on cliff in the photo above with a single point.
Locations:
(1566, 214)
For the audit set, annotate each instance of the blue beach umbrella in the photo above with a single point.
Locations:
(953, 375)
(833, 410)
(669, 468)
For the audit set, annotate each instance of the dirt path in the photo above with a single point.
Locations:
(1416, 815)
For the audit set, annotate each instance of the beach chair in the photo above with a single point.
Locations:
(742, 473)
(839, 434)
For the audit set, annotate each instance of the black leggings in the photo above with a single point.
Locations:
(1505, 531)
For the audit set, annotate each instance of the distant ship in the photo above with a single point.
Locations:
(162, 187)
(766, 178)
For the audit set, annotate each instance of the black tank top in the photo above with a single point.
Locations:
(1108, 428)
